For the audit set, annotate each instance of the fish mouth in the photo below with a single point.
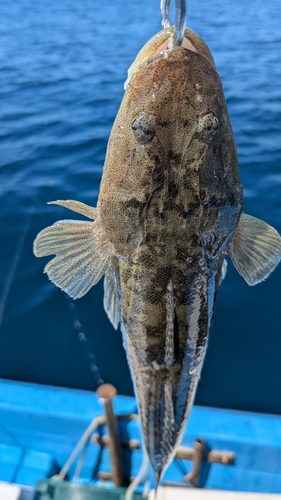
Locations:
(169, 44)
(164, 42)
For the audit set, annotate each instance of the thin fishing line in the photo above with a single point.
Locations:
(22, 455)
(13, 265)
(91, 358)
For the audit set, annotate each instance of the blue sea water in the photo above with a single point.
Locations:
(63, 64)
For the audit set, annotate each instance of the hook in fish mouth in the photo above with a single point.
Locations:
(180, 19)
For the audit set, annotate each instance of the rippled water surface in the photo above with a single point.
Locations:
(63, 64)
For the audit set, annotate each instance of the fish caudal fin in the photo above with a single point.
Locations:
(81, 249)
(255, 249)
(111, 302)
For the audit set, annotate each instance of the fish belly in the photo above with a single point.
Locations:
(167, 307)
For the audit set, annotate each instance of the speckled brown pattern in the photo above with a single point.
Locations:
(168, 211)
(170, 199)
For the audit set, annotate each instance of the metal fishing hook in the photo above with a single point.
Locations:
(165, 13)
(180, 17)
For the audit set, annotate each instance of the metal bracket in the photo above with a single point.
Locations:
(201, 456)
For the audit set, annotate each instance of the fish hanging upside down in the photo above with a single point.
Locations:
(168, 212)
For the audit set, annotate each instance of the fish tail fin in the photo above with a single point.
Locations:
(255, 249)
(82, 252)
(157, 475)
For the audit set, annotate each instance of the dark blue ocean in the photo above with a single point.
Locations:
(63, 64)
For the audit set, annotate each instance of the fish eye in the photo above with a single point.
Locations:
(143, 126)
(208, 125)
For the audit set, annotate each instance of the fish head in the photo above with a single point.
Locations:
(174, 103)
(174, 96)
(172, 127)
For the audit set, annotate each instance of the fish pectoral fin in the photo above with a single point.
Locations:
(111, 302)
(82, 254)
(77, 206)
(255, 249)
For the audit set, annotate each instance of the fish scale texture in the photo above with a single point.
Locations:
(170, 198)
(169, 210)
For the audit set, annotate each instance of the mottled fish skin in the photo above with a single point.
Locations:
(169, 207)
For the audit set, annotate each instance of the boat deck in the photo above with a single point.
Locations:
(40, 426)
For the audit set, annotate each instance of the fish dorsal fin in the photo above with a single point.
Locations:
(77, 206)
(82, 254)
(111, 302)
(255, 249)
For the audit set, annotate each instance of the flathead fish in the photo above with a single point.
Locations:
(169, 211)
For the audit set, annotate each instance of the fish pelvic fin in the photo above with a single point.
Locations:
(82, 253)
(255, 249)
(111, 301)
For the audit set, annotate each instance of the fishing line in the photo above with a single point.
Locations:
(14, 263)
(22, 455)
(91, 358)
(81, 336)
(180, 466)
